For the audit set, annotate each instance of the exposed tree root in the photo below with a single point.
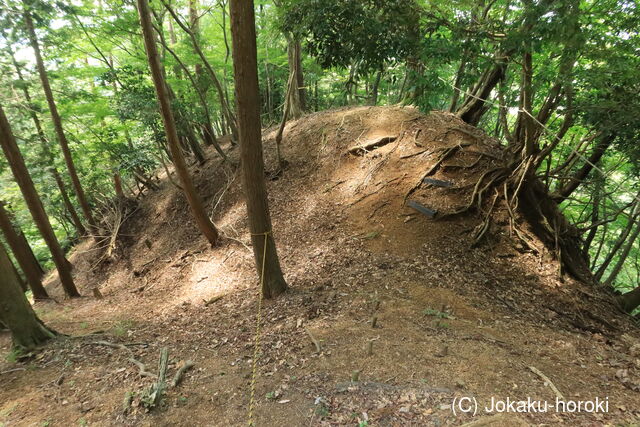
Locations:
(141, 367)
(521, 192)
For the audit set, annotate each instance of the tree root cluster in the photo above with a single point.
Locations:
(514, 186)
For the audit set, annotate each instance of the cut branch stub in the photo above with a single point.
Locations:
(371, 144)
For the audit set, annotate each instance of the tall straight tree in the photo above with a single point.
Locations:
(71, 210)
(202, 219)
(245, 66)
(27, 331)
(23, 254)
(55, 116)
(31, 197)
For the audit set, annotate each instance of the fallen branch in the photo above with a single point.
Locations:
(184, 368)
(548, 381)
(141, 367)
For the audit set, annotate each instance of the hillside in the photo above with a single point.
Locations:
(422, 312)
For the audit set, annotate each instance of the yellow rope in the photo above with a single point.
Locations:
(256, 346)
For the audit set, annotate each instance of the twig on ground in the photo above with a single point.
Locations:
(178, 377)
(547, 381)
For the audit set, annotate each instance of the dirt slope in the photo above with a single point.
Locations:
(452, 319)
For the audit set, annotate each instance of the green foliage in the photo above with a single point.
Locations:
(365, 34)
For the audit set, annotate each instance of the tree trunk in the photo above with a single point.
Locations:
(57, 121)
(117, 185)
(71, 210)
(224, 104)
(207, 129)
(574, 182)
(541, 212)
(595, 216)
(456, 84)
(21, 282)
(23, 254)
(623, 256)
(31, 197)
(193, 24)
(245, 66)
(631, 300)
(297, 96)
(27, 331)
(204, 223)
(373, 97)
(622, 237)
(473, 106)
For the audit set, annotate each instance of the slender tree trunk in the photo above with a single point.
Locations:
(27, 331)
(224, 104)
(193, 24)
(622, 237)
(204, 223)
(623, 256)
(245, 64)
(57, 121)
(31, 197)
(71, 210)
(117, 185)
(373, 98)
(473, 107)
(631, 300)
(456, 84)
(207, 129)
(23, 254)
(595, 216)
(574, 182)
(297, 97)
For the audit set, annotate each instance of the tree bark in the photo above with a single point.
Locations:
(31, 197)
(27, 331)
(71, 210)
(622, 237)
(595, 216)
(243, 32)
(473, 106)
(297, 96)
(574, 182)
(21, 282)
(29, 265)
(117, 185)
(623, 256)
(458, 81)
(204, 223)
(57, 121)
(224, 104)
(631, 300)
(373, 97)
(195, 28)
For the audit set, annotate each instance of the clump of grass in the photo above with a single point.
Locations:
(121, 327)
(436, 313)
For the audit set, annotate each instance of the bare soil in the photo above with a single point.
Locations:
(409, 314)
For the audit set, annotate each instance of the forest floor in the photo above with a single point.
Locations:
(451, 320)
